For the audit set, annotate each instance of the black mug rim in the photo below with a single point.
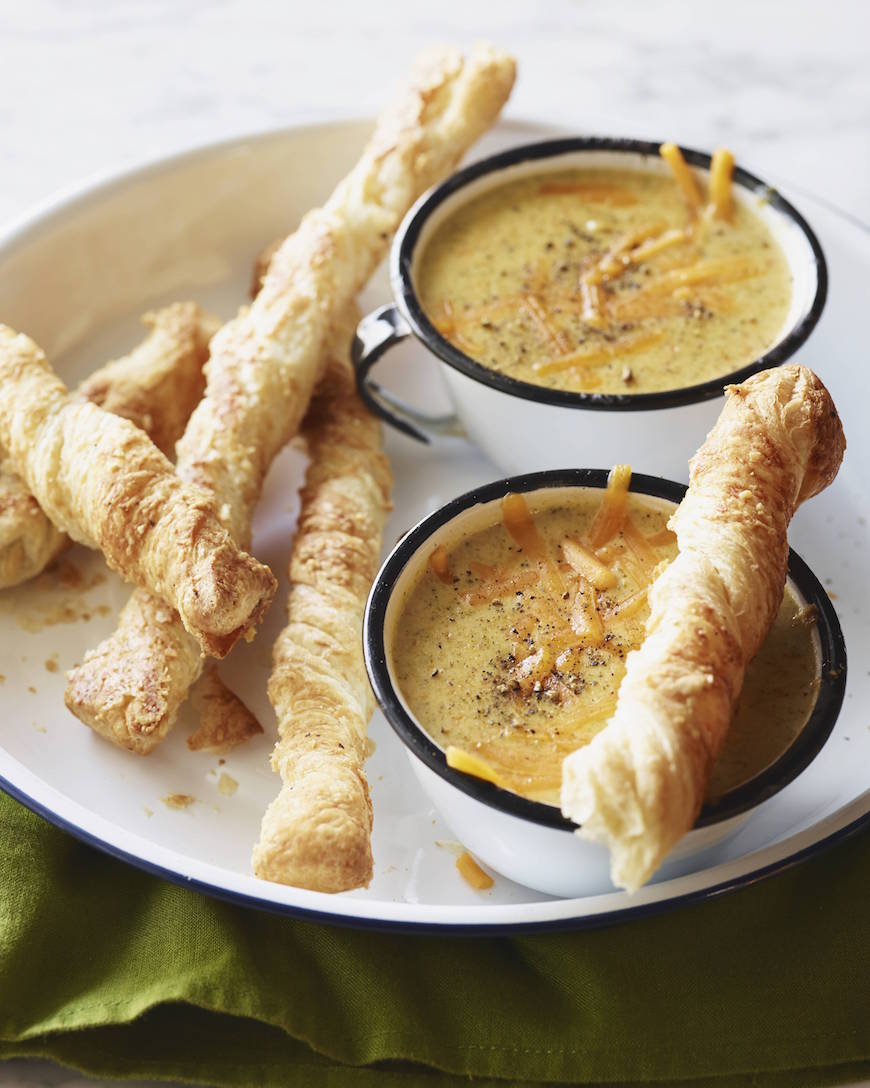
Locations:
(401, 262)
(775, 777)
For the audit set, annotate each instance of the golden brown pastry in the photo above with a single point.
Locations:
(224, 720)
(261, 265)
(317, 833)
(28, 540)
(103, 482)
(265, 364)
(123, 687)
(640, 784)
(156, 386)
(160, 382)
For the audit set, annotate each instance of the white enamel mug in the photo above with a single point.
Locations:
(524, 427)
(529, 841)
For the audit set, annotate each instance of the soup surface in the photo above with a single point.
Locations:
(605, 281)
(510, 647)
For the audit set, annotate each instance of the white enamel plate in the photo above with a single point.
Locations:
(76, 276)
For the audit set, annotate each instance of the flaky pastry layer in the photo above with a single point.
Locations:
(265, 364)
(156, 386)
(102, 481)
(317, 832)
(640, 784)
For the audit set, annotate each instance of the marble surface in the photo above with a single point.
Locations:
(90, 88)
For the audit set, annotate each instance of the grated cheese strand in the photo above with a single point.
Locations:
(611, 513)
(683, 176)
(721, 171)
(472, 873)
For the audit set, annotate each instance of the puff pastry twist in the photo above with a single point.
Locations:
(102, 481)
(317, 832)
(640, 784)
(156, 386)
(265, 364)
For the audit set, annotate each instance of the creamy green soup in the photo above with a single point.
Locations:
(601, 280)
(513, 656)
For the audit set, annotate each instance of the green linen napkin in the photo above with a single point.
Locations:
(120, 974)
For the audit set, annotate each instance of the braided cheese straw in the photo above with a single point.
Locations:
(265, 364)
(156, 386)
(101, 480)
(640, 784)
(317, 832)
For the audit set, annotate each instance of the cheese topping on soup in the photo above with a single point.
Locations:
(510, 648)
(606, 281)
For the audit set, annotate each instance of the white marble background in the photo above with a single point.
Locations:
(88, 87)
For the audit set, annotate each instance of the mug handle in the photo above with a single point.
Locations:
(376, 334)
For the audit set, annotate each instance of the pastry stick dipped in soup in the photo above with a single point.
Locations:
(511, 647)
(639, 785)
(608, 279)
(495, 681)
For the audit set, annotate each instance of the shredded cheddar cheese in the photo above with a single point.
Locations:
(499, 586)
(472, 873)
(439, 566)
(596, 357)
(535, 309)
(588, 565)
(659, 244)
(683, 176)
(520, 524)
(630, 606)
(639, 547)
(611, 514)
(721, 171)
(585, 619)
(468, 763)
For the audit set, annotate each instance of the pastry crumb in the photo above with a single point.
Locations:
(148, 812)
(227, 785)
(472, 873)
(455, 848)
(224, 720)
(31, 689)
(65, 612)
(51, 664)
(71, 577)
(178, 801)
(39, 728)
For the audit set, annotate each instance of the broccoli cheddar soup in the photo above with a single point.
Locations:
(608, 280)
(511, 645)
